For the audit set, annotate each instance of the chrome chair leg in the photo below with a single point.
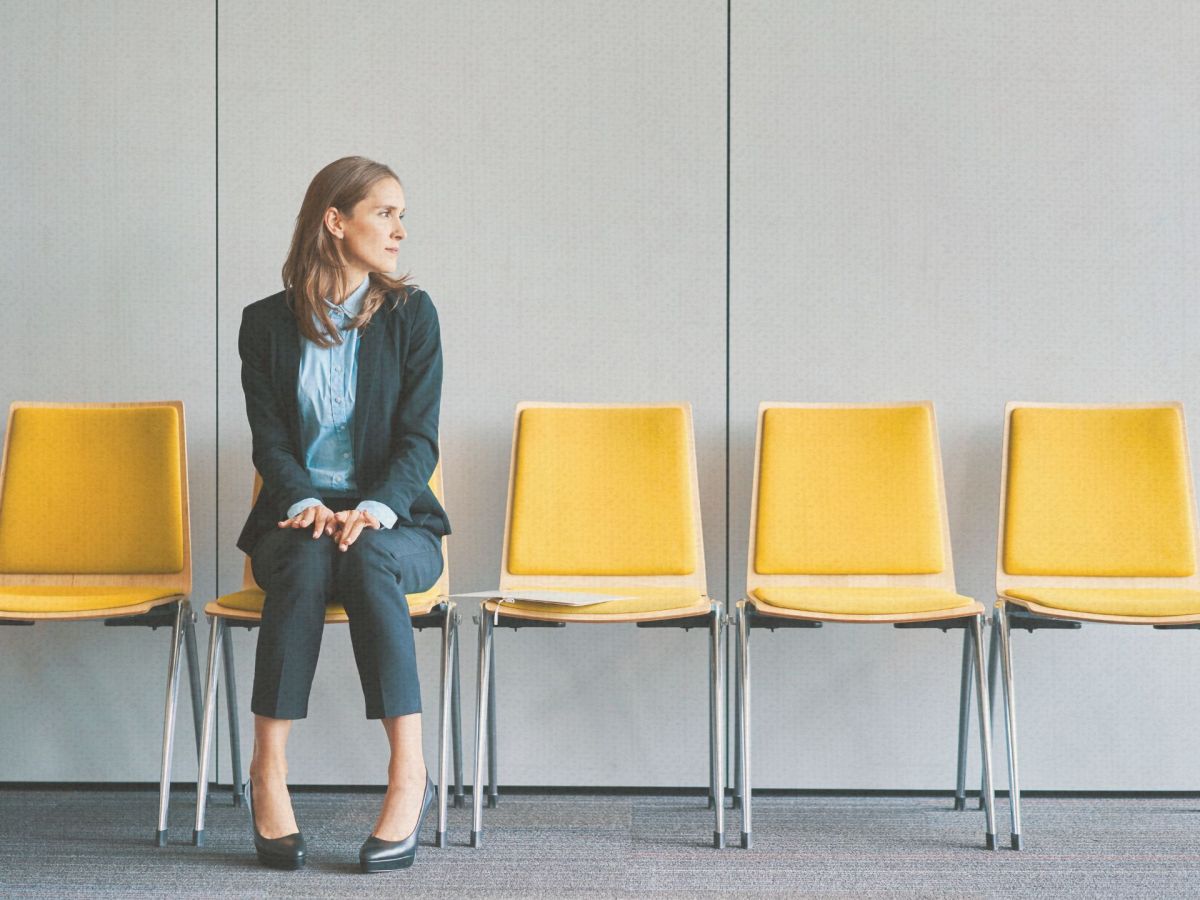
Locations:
(717, 734)
(231, 704)
(493, 793)
(1010, 721)
(743, 683)
(216, 629)
(964, 722)
(985, 733)
(456, 716)
(712, 755)
(735, 740)
(444, 725)
(481, 723)
(164, 784)
(993, 656)
(193, 664)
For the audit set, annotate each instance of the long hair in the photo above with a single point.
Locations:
(314, 269)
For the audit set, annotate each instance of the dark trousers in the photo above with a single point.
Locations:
(371, 580)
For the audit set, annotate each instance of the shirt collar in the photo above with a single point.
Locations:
(353, 304)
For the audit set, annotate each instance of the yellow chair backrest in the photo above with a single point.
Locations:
(1096, 492)
(603, 491)
(95, 489)
(440, 589)
(848, 494)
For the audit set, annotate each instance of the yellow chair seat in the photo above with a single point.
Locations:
(64, 599)
(1146, 602)
(640, 600)
(863, 601)
(251, 601)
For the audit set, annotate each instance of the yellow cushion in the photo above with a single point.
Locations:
(602, 492)
(1114, 601)
(848, 491)
(1100, 492)
(642, 599)
(862, 601)
(92, 491)
(58, 599)
(252, 599)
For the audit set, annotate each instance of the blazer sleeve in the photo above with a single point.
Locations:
(285, 481)
(414, 444)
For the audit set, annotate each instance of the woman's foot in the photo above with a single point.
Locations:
(273, 815)
(401, 805)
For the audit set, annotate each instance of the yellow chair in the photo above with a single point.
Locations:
(94, 525)
(430, 609)
(848, 524)
(1097, 524)
(602, 498)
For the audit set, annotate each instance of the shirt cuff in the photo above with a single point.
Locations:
(381, 511)
(301, 505)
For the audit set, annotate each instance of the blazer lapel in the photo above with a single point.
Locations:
(370, 349)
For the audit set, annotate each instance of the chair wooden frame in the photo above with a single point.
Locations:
(1031, 615)
(752, 613)
(171, 610)
(439, 611)
(704, 613)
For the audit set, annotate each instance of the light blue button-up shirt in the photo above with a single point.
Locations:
(325, 396)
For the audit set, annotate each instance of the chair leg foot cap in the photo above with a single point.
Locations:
(459, 800)
(476, 839)
(747, 840)
(960, 803)
(1016, 842)
(160, 838)
(442, 840)
(981, 803)
(711, 805)
(493, 801)
(197, 838)
(239, 800)
(989, 841)
(718, 840)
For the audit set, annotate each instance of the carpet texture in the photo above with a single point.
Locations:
(97, 843)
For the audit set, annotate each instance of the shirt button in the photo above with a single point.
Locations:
(345, 456)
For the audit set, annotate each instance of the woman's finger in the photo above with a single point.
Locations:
(351, 530)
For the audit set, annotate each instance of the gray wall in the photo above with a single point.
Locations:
(969, 204)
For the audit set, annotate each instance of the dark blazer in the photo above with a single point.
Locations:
(395, 425)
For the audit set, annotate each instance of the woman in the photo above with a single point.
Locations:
(342, 373)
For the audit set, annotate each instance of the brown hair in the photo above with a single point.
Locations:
(314, 268)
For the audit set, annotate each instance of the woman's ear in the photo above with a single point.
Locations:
(333, 222)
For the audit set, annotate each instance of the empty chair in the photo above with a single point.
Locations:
(603, 498)
(848, 524)
(1097, 524)
(94, 526)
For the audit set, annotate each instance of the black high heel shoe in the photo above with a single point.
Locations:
(378, 855)
(287, 852)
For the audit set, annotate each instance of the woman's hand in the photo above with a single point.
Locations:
(350, 525)
(320, 518)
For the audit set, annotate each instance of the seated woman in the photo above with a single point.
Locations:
(342, 372)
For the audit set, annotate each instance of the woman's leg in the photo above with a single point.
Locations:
(273, 816)
(296, 572)
(406, 779)
(372, 580)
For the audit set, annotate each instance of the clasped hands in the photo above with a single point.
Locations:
(344, 527)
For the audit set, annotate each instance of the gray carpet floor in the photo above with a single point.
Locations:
(94, 843)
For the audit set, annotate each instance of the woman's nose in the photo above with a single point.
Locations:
(398, 231)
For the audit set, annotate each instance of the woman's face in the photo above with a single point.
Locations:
(372, 233)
